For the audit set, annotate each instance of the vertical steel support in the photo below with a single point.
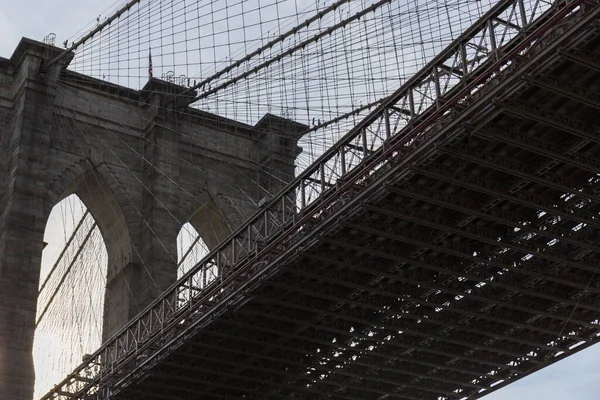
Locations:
(438, 90)
(233, 251)
(191, 284)
(138, 336)
(523, 13)
(411, 101)
(493, 44)
(266, 222)
(218, 258)
(302, 195)
(322, 173)
(388, 129)
(159, 319)
(464, 61)
(247, 239)
(283, 213)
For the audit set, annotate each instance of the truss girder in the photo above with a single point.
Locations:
(382, 361)
(462, 312)
(453, 291)
(567, 89)
(553, 151)
(495, 239)
(544, 116)
(581, 57)
(425, 352)
(504, 193)
(503, 217)
(518, 169)
(391, 327)
(516, 303)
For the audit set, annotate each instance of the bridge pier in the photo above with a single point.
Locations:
(24, 147)
(142, 167)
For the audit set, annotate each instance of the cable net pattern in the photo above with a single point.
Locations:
(71, 294)
(324, 64)
(241, 60)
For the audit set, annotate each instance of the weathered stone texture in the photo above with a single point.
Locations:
(142, 169)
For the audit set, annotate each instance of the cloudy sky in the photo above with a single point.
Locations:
(576, 378)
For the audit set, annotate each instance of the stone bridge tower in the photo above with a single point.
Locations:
(143, 162)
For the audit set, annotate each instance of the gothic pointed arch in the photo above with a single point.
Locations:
(70, 308)
(109, 204)
(213, 216)
(105, 199)
(191, 249)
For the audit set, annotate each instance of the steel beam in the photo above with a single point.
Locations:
(522, 109)
(483, 235)
(412, 298)
(403, 236)
(426, 335)
(500, 192)
(566, 319)
(446, 352)
(334, 363)
(380, 359)
(538, 146)
(370, 376)
(379, 273)
(566, 89)
(581, 57)
(507, 218)
(515, 168)
(391, 328)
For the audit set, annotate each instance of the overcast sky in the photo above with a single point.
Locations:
(576, 378)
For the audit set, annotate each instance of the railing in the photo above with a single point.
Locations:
(473, 68)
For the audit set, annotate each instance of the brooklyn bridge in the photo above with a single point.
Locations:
(281, 199)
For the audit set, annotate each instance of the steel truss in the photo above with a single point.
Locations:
(407, 310)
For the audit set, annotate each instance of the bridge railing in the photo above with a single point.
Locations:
(419, 112)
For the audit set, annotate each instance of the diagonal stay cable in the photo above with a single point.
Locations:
(269, 45)
(93, 32)
(293, 49)
(104, 193)
(66, 273)
(62, 253)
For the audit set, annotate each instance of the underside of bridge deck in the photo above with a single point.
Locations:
(476, 266)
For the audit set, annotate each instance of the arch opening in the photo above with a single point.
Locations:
(88, 248)
(208, 225)
(191, 249)
(70, 306)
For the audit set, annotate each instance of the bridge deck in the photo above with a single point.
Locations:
(472, 267)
